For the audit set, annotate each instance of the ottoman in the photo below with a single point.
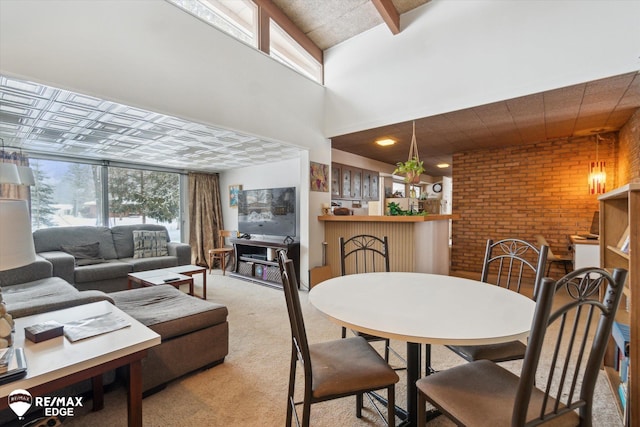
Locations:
(194, 332)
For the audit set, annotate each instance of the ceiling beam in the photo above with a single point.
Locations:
(287, 25)
(389, 14)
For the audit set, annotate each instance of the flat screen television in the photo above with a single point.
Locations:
(269, 211)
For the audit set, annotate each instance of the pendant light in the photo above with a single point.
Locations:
(597, 174)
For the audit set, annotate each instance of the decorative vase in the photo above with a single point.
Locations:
(6, 325)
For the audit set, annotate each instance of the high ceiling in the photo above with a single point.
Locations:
(329, 22)
(49, 120)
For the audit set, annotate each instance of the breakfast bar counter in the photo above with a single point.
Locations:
(417, 243)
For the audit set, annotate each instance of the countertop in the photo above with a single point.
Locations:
(385, 218)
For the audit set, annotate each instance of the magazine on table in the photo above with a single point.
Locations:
(14, 364)
(92, 326)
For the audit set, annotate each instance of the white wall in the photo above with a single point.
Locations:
(452, 55)
(152, 55)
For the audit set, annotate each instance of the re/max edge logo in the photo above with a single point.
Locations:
(20, 401)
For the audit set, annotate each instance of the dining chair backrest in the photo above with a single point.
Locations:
(540, 239)
(294, 310)
(222, 236)
(568, 377)
(364, 254)
(508, 261)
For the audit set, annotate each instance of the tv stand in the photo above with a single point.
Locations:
(256, 261)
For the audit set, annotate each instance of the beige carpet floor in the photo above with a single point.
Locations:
(249, 388)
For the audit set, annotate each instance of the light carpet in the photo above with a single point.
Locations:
(249, 388)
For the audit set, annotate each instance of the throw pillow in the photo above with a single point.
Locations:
(149, 243)
(84, 254)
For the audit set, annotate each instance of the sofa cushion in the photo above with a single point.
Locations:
(84, 254)
(147, 243)
(44, 295)
(122, 236)
(144, 264)
(52, 239)
(110, 269)
(40, 269)
(168, 311)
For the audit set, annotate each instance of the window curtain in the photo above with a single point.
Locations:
(14, 191)
(205, 215)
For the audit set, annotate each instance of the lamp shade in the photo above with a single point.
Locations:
(16, 240)
(9, 174)
(26, 175)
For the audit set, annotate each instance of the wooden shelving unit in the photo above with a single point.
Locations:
(620, 214)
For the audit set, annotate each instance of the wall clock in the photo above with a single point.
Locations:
(437, 187)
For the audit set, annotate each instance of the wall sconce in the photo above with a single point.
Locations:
(597, 174)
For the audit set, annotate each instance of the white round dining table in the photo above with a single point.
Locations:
(421, 308)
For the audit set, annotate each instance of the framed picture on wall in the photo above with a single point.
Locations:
(233, 195)
(319, 177)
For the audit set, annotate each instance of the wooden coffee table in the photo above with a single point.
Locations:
(175, 276)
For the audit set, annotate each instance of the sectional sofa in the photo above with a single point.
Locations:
(194, 333)
(107, 267)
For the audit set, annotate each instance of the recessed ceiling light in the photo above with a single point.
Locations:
(385, 142)
(443, 165)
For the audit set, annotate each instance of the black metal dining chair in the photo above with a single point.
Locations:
(505, 264)
(364, 253)
(558, 390)
(332, 369)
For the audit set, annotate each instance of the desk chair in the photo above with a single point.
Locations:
(565, 260)
(505, 262)
(365, 254)
(551, 386)
(332, 369)
(221, 252)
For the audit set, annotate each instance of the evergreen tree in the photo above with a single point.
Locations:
(80, 176)
(42, 211)
(150, 194)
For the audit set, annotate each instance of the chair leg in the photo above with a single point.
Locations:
(291, 406)
(549, 269)
(391, 406)
(422, 409)
(386, 350)
(222, 262)
(359, 400)
(210, 262)
(344, 332)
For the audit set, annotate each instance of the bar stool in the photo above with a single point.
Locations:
(221, 252)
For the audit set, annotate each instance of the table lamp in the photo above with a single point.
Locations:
(16, 240)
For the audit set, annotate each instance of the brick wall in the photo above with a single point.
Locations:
(629, 152)
(523, 191)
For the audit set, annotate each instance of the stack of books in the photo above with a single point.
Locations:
(621, 335)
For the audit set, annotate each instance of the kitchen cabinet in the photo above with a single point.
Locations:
(336, 181)
(352, 183)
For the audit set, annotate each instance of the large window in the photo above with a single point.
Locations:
(239, 18)
(289, 52)
(65, 194)
(72, 194)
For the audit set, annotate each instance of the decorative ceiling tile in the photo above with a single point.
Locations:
(55, 121)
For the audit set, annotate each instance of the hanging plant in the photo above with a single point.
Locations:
(413, 167)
